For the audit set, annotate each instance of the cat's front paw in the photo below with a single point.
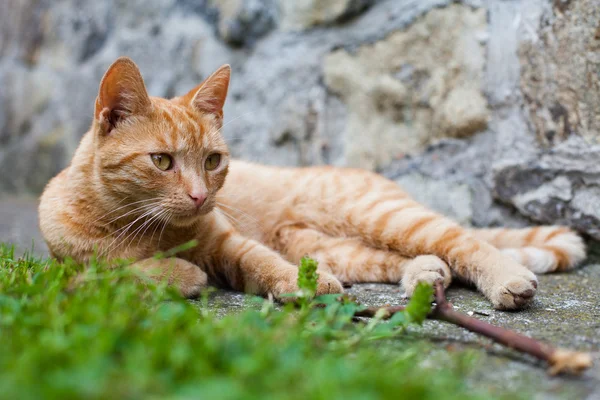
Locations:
(192, 281)
(515, 293)
(184, 276)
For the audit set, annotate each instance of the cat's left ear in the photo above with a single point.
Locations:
(210, 95)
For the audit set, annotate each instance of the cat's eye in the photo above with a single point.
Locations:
(163, 162)
(212, 161)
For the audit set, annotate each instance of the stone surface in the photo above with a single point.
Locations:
(450, 199)
(412, 87)
(483, 100)
(549, 170)
(560, 68)
(242, 22)
(302, 14)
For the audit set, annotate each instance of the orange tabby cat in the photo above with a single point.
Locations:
(150, 175)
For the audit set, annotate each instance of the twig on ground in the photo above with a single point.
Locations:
(559, 360)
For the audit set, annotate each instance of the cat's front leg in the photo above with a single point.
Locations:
(186, 277)
(254, 268)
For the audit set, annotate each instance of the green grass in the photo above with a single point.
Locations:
(71, 331)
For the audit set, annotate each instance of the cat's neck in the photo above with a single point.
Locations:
(84, 186)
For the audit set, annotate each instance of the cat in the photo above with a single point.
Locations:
(150, 174)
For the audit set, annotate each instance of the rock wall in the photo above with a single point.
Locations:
(556, 179)
(486, 110)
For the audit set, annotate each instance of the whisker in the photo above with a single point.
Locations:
(142, 207)
(135, 232)
(244, 214)
(110, 212)
(239, 225)
(248, 222)
(147, 224)
(229, 217)
(160, 220)
(126, 205)
(109, 248)
(156, 218)
(163, 228)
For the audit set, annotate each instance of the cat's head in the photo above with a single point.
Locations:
(165, 157)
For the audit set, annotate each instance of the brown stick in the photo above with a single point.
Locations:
(559, 360)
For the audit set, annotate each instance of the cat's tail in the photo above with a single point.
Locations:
(542, 249)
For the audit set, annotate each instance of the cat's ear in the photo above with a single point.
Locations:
(122, 94)
(210, 95)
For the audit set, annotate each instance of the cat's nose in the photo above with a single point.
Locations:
(197, 198)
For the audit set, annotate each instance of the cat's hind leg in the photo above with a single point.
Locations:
(542, 249)
(349, 259)
(376, 210)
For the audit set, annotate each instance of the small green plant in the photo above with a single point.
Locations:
(420, 303)
(307, 281)
(176, 250)
(73, 331)
(308, 276)
(416, 311)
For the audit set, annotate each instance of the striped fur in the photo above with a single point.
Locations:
(346, 218)
(252, 229)
(542, 249)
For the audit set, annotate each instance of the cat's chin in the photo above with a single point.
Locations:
(189, 219)
(185, 220)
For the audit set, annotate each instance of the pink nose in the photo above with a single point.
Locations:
(198, 198)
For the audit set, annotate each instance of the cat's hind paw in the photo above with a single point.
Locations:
(514, 294)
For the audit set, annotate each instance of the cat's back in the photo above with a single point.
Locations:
(264, 197)
(52, 200)
(51, 210)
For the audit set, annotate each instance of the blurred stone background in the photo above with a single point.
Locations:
(487, 110)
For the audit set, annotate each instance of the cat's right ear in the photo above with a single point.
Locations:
(210, 95)
(122, 94)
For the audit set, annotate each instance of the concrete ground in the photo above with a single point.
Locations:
(566, 313)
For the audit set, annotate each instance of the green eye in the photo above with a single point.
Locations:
(163, 162)
(212, 161)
